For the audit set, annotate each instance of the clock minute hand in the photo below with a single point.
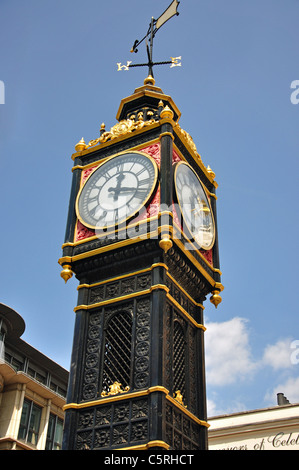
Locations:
(120, 190)
(117, 189)
(126, 189)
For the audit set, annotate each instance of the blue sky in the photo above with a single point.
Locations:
(239, 59)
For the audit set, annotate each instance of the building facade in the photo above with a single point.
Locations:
(32, 391)
(274, 428)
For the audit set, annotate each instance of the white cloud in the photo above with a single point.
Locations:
(290, 389)
(228, 356)
(279, 355)
(212, 408)
(216, 406)
(229, 360)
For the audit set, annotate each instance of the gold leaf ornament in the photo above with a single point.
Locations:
(124, 127)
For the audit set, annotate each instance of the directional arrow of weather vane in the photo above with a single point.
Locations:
(154, 26)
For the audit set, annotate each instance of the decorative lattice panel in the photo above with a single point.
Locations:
(179, 359)
(117, 351)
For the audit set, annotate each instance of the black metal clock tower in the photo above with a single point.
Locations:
(141, 238)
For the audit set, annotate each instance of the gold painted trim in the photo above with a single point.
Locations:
(117, 278)
(147, 446)
(157, 265)
(128, 396)
(188, 413)
(194, 261)
(116, 245)
(65, 259)
(211, 194)
(84, 240)
(145, 91)
(135, 148)
(185, 313)
(196, 158)
(121, 298)
(103, 145)
(89, 165)
(130, 226)
(70, 260)
(111, 157)
(167, 120)
(178, 229)
(218, 271)
(165, 213)
(104, 249)
(219, 286)
(184, 292)
(165, 134)
(140, 293)
(146, 144)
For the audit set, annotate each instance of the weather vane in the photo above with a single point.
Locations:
(153, 28)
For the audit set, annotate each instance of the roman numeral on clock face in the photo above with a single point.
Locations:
(143, 182)
(140, 193)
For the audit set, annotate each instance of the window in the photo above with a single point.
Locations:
(117, 350)
(54, 435)
(39, 376)
(16, 363)
(57, 389)
(30, 421)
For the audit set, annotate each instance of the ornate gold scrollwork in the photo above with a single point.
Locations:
(189, 140)
(179, 398)
(114, 389)
(126, 126)
(187, 137)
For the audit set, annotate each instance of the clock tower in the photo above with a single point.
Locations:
(141, 239)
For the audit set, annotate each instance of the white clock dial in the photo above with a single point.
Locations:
(194, 206)
(116, 190)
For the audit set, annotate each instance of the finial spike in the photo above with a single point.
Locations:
(149, 80)
(80, 145)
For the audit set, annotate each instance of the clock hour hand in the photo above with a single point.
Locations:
(117, 189)
(120, 190)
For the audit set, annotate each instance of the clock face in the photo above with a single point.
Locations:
(116, 190)
(194, 206)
